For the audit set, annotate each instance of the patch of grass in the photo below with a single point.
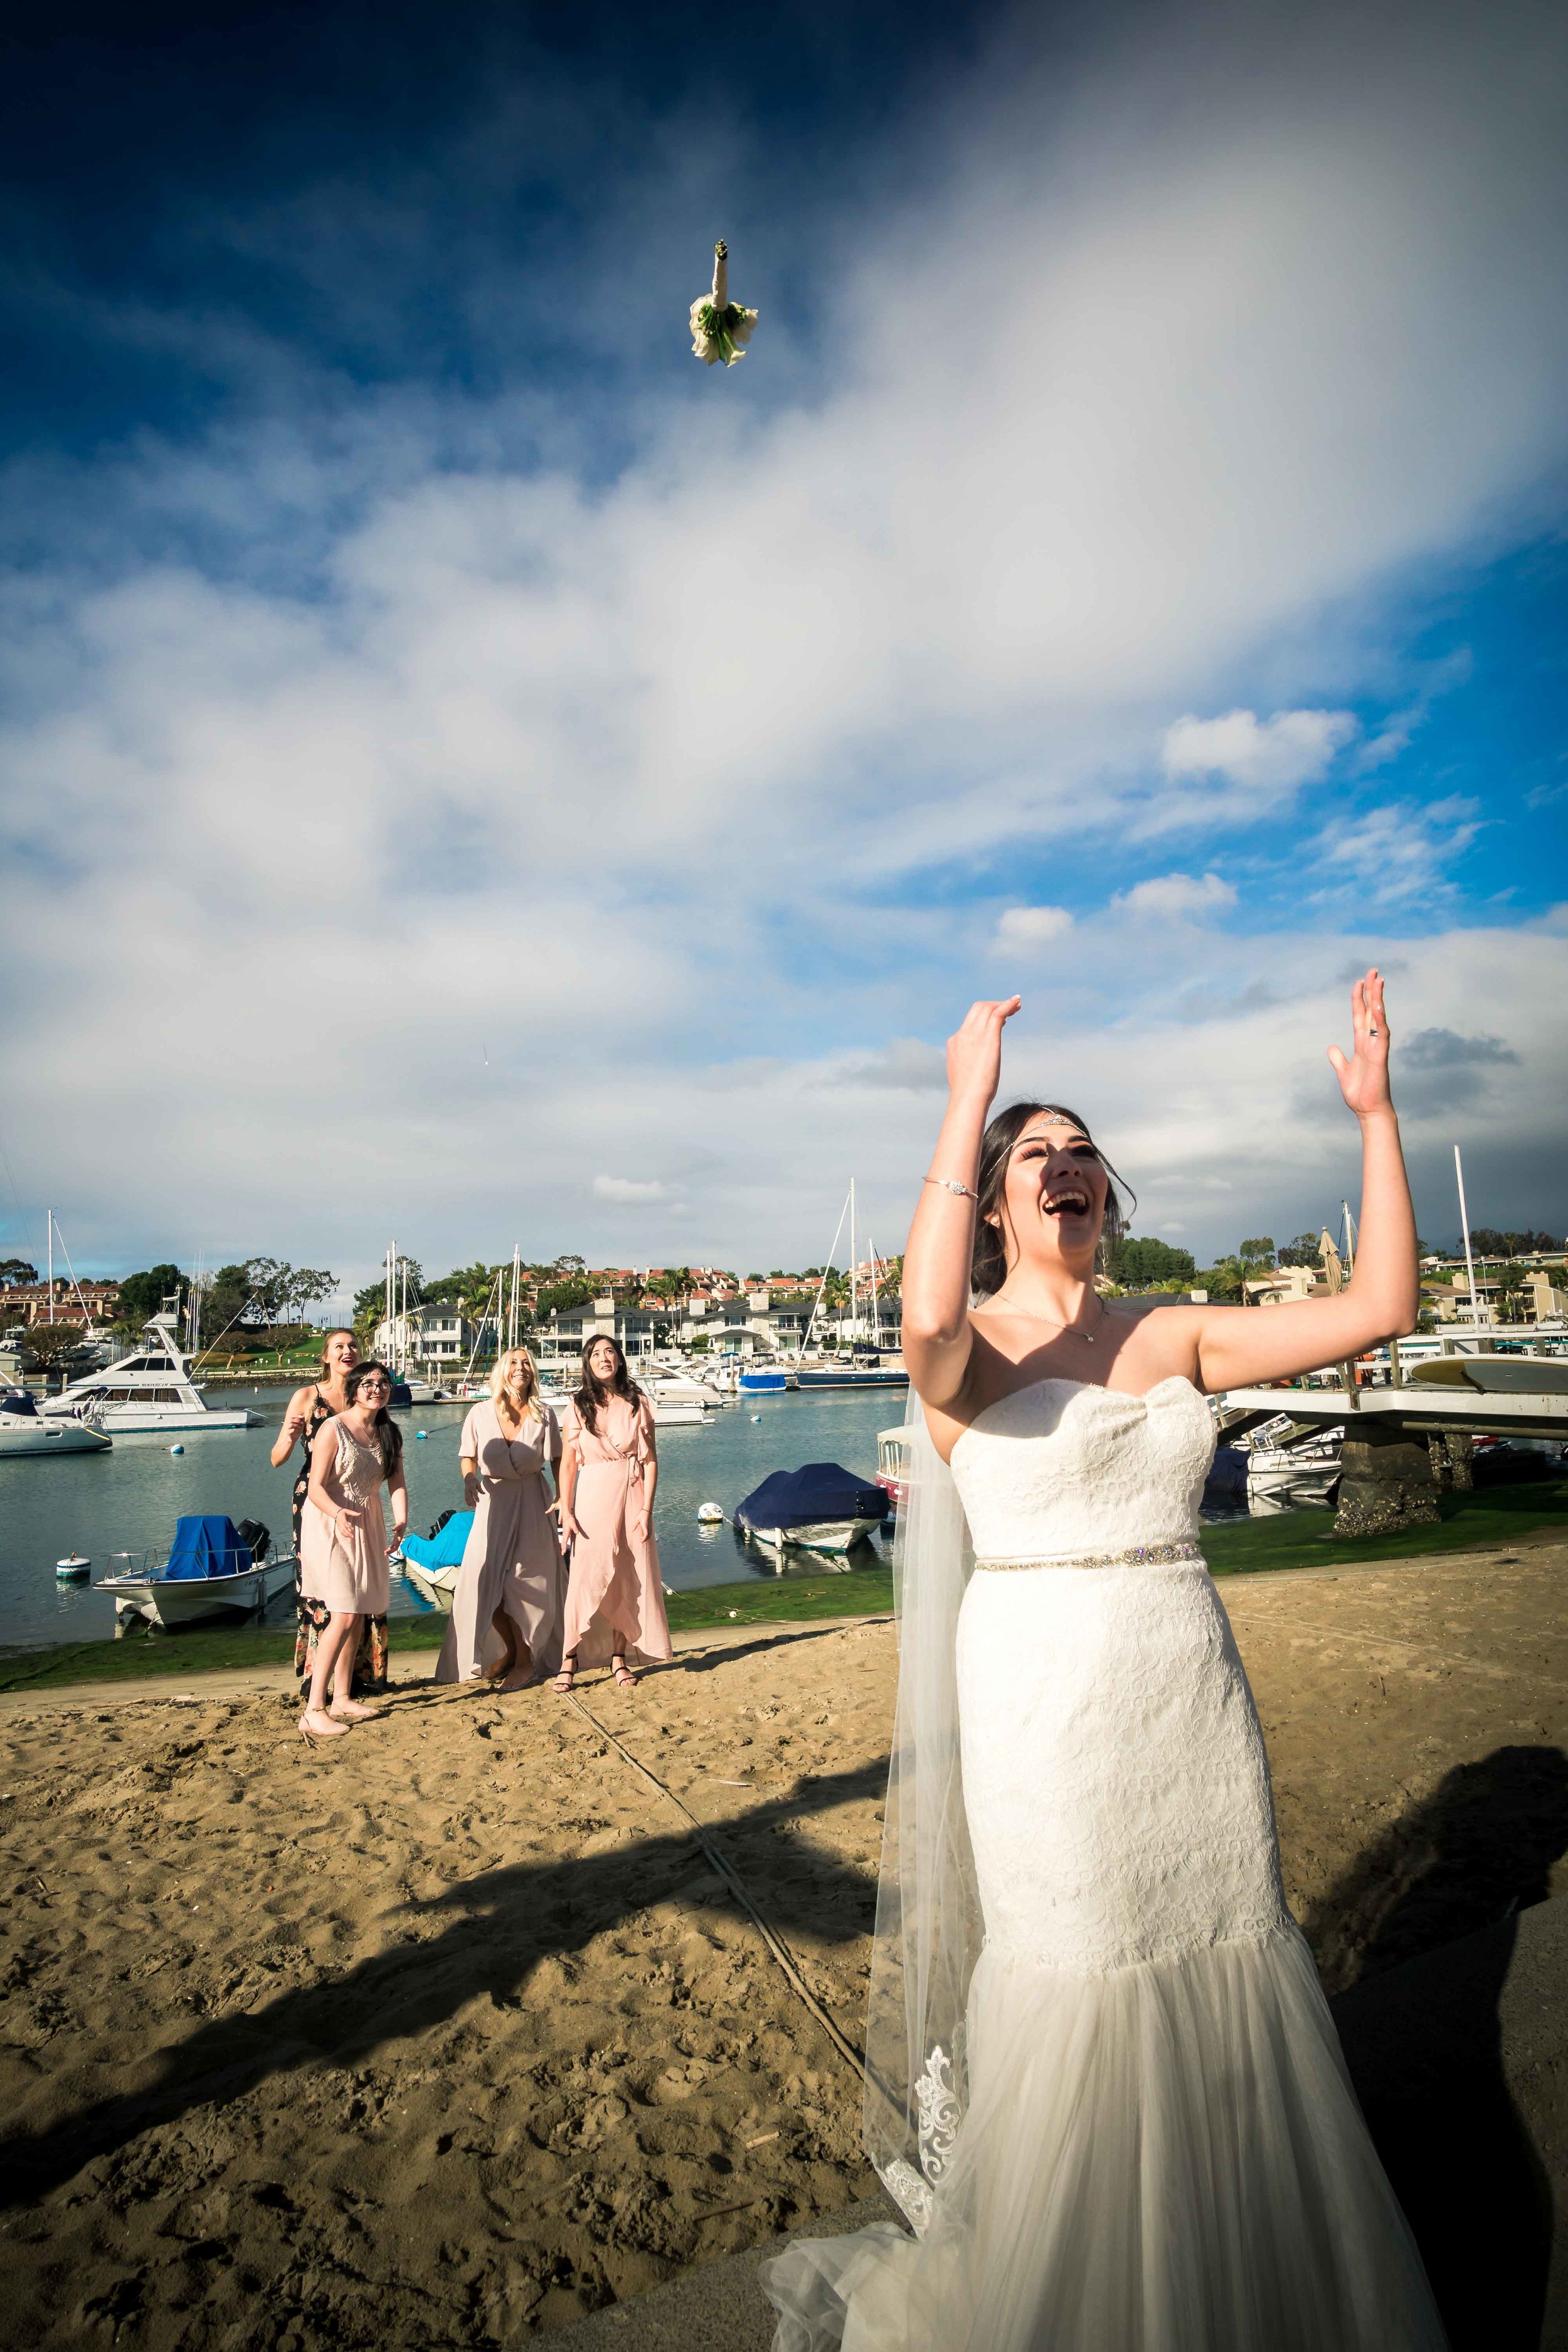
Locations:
(1494, 1515)
(198, 1649)
(858, 1592)
(1500, 1515)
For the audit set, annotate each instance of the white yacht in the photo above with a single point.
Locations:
(149, 1391)
(24, 1430)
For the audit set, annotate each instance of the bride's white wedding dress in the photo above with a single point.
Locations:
(1161, 2150)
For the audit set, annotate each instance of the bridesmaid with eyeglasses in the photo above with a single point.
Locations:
(342, 1537)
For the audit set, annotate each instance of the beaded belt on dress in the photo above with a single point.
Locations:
(1157, 1555)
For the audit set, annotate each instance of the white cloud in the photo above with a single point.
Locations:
(908, 1066)
(626, 1192)
(1272, 757)
(1178, 897)
(543, 738)
(1399, 852)
(1031, 927)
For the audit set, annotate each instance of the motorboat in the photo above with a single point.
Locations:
(212, 1569)
(771, 1382)
(430, 1563)
(25, 1431)
(682, 1388)
(894, 1466)
(1300, 1470)
(852, 1376)
(678, 1415)
(822, 1507)
(149, 1391)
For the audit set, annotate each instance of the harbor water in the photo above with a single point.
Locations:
(129, 1499)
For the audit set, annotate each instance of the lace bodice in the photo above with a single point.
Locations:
(1060, 1469)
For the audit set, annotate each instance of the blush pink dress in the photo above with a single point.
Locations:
(352, 1576)
(615, 1601)
(512, 1558)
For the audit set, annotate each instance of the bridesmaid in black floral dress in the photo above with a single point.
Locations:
(307, 1409)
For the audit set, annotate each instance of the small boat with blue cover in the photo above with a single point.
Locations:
(212, 1567)
(821, 1506)
(431, 1562)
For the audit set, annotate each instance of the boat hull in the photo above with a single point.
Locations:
(852, 1379)
(31, 1437)
(821, 1535)
(151, 1421)
(436, 1585)
(186, 1601)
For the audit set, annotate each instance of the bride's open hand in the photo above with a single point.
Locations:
(1363, 1079)
(975, 1049)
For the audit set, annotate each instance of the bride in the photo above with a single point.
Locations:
(1103, 2081)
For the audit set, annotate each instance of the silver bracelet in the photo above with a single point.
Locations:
(951, 1184)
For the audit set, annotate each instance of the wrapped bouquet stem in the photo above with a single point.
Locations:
(721, 329)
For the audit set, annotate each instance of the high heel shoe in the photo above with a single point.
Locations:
(310, 1731)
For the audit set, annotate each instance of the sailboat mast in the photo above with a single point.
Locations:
(854, 1294)
(51, 1218)
(1465, 1229)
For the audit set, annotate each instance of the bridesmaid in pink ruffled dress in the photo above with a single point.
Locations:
(609, 1469)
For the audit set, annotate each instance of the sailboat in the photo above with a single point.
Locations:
(874, 1374)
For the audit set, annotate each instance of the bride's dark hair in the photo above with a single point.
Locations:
(989, 1270)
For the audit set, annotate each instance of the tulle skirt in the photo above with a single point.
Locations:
(1165, 2157)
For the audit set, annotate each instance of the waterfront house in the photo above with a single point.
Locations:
(29, 1303)
(436, 1338)
(1540, 1299)
(1284, 1285)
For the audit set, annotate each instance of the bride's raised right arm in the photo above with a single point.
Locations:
(939, 1254)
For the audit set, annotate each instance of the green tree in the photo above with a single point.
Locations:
(228, 1297)
(15, 1273)
(1302, 1251)
(1512, 1288)
(307, 1285)
(51, 1343)
(1259, 1256)
(468, 1287)
(557, 1298)
(1223, 1279)
(1142, 1263)
(142, 1294)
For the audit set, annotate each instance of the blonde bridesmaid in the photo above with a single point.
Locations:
(609, 1471)
(513, 1582)
(342, 1535)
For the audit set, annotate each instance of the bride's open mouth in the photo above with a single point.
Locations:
(1066, 1201)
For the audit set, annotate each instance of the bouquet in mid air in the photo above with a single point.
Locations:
(721, 329)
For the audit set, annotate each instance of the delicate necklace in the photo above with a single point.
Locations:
(1067, 1328)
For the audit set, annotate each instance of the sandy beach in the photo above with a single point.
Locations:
(449, 2030)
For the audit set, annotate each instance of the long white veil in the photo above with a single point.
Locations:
(929, 1930)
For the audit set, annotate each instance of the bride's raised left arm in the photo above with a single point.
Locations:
(1235, 1349)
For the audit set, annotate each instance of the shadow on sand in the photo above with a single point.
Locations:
(1416, 1941)
(500, 1926)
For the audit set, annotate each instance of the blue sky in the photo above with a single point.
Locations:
(470, 773)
